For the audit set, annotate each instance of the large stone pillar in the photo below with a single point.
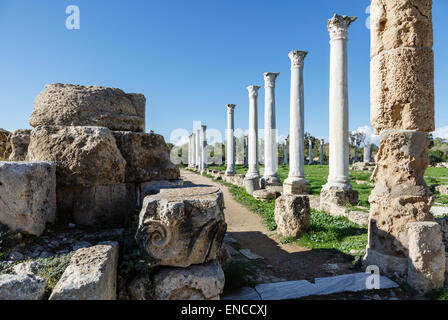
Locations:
(230, 152)
(203, 162)
(252, 178)
(402, 112)
(285, 154)
(338, 190)
(270, 177)
(322, 142)
(296, 182)
(190, 144)
(355, 155)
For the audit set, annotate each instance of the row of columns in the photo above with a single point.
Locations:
(197, 149)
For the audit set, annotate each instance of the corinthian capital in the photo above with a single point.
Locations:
(253, 91)
(338, 26)
(269, 79)
(297, 58)
(230, 107)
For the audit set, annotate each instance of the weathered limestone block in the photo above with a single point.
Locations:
(296, 186)
(84, 156)
(292, 214)
(442, 189)
(198, 282)
(74, 105)
(27, 195)
(20, 141)
(363, 166)
(264, 195)
(400, 23)
(252, 184)
(5, 144)
(98, 205)
(147, 157)
(21, 287)
(331, 200)
(427, 261)
(91, 274)
(402, 90)
(182, 226)
(400, 196)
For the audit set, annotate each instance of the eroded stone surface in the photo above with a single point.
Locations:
(400, 195)
(27, 195)
(21, 287)
(427, 260)
(399, 104)
(182, 226)
(98, 205)
(91, 274)
(5, 144)
(147, 157)
(336, 197)
(20, 141)
(74, 105)
(84, 156)
(400, 23)
(292, 215)
(264, 195)
(198, 282)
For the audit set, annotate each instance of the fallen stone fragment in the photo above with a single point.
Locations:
(147, 157)
(5, 144)
(292, 215)
(27, 195)
(182, 226)
(20, 141)
(74, 105)
(197, 282)
(91, 274)
(84, 156)
(21, 287)
(250, 255)
(427, 261)
(265, 195)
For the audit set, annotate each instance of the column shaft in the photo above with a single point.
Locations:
(230, 157)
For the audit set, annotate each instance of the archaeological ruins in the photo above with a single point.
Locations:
(100, 191)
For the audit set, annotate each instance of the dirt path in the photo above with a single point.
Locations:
(283, 262)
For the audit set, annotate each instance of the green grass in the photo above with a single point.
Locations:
(317, 176)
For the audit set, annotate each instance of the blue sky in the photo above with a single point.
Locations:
(190, 58)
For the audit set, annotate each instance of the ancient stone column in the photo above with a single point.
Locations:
(285, 156)
(296, 182)
(198, 149)
(230, 152)
(252, 178)
(270, 177)
(190, 144)
(246, 155)
(338, 190)
(355, 156)
(310, 152)
(322, 142)
(402, 112)
(367, 153)
(203, 148)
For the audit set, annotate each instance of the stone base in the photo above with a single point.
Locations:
(296, 186)
(267, 181)
(388, 264)
(332, 199)
(292, 214)
(363, 166)
(252, 184)
(265, 195)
